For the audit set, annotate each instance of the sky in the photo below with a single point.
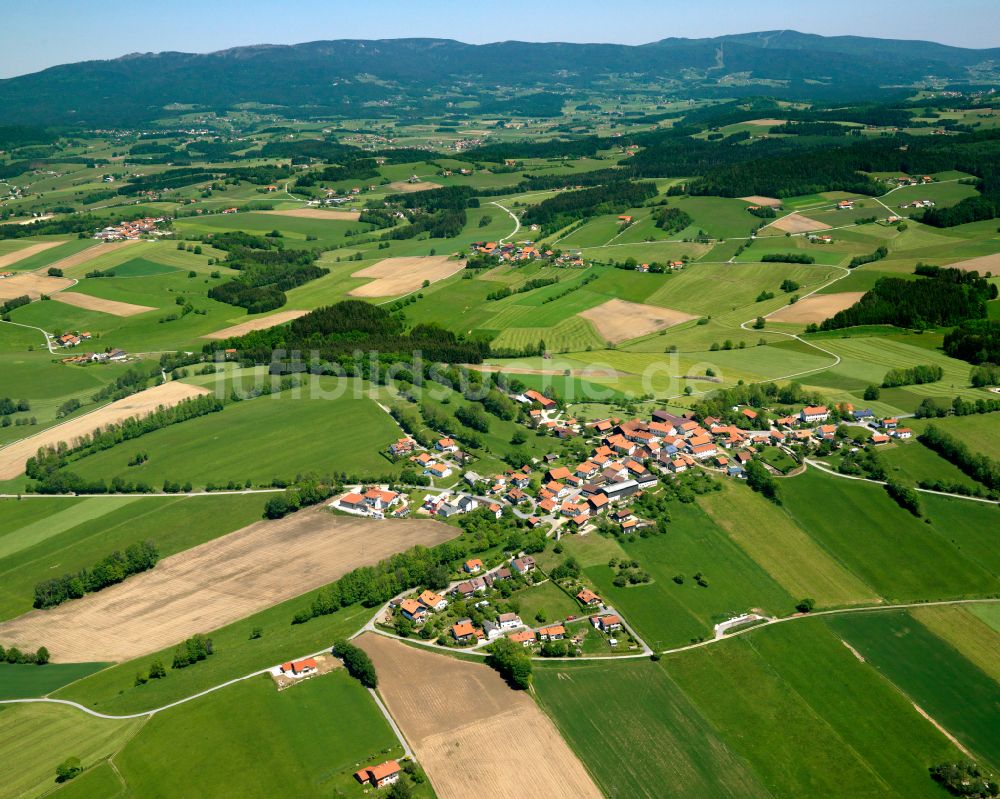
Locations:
(42, 33)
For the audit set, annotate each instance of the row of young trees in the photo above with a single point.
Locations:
(14, 655)
(981, 468)
(112, 569)
(912, 376)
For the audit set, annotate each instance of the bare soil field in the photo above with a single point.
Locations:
(406, 186)
(318, 213)
(13, 456)
(112, 307)
(217, 583)
(982, 264)
(395, 276)
(31, 284)
(19, 255)
(89, 254)
(757, 199)
(473, 735)
(619, 320)
(796, 223)
(816, 308)
(263, 323)
(768, 121)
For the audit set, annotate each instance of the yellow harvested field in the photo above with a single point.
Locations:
(757, 199)
(13, 456)
(796, 223)
(406, 186)
(262, 323)
(769, 122)
(982, 264)
(473, 735)
(112, 307)
(402, 275)
(217, 583)
(619, 320)
(31, 284)
(12, 258)
(318, 213)
(816, 308)
(89, 254)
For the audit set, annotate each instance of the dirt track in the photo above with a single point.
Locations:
(32, 285)
(90, 303)
(263, 323)
(816, 308)
(217, 583)
(619, 320)
(982, 264)
(318, 213)
(472, 734)
(12, 258)
(796, 223)
(13, 456)
(402, 275)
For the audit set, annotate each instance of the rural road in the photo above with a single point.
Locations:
(517, 222)
(676, 650)
(824, 468)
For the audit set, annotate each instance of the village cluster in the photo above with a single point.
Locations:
(133, 230)
(72, 340)
(524, 252)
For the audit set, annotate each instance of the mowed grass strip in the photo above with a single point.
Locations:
(637, 732)
(968, 633)
(795, 703)
(23, 680)
(931, 673)
(36, 738)
(790, 556)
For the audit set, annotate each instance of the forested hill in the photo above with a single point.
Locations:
(323, 78)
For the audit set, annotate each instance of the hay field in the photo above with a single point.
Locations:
(263, 323)
(982, 264)
(32, 285)
(405, 186)
(619, 320)
(758, 199)
(816, 308)
(768, 122)
(26, 252)
(472, 734)
(91, 303)
(395, 276)
(797, 223)
(13, 456)
(318, 213)
(216, 583)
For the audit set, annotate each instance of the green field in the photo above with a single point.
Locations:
(637, 732)
(45, 537)
(901, 557)
(978, 432)
(931, 673)
(317, 734)
(548, 598)
(314, 428)
(18, 681)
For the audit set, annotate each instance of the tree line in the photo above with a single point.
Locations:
(555, 213)
(980, 468)
(113, 568)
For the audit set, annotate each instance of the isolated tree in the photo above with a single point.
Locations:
(806, 605)
(42, 656)
(68, 769)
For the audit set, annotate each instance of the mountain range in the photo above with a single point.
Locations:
(365, 78)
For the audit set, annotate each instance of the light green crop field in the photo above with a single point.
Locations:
(547, 598)
(961, 627)
(910, 461)
(328, 232)
(52, 254)
(48, 537)
(668, 614)
(901, 557)
(36, 738)
(977, 432)
(771, 689)
(637, 732)
(933, 674)
(317, 734)
(328, 425)
(767, 534)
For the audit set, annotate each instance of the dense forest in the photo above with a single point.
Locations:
(943, 297)
(976, 341)
(337, 332)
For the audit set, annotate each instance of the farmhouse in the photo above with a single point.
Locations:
(555, 632)
(463, 632)
(523, 565)
(607, 624)
(509, 621)
(379, 776)
(524, 638)
(299, 668)
(473, 566)
(432, 601)
(814, 413)
(403, 446)
(588, 597)
(378, 499)
(446, 445)
(353, 501)
(413, 610)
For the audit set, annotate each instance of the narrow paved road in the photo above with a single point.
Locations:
(824, 468)
(517, 222)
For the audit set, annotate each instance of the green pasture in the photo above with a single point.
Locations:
(22, 680)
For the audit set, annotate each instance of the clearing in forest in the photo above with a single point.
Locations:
(619, 320)
(402, 275)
